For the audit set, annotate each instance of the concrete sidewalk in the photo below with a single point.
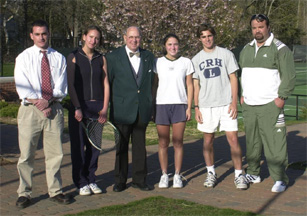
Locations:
(258, 198)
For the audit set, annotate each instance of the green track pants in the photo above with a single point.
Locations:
(265, 129)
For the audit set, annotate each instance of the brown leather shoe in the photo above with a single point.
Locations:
(61, 199)
(23, 202)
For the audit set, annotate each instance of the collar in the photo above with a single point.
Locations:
(266, 43)
(171, 59)
(96, 53)
(38, 50)
(128, 50)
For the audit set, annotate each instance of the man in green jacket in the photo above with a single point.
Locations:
(130, 73)
(268, 79)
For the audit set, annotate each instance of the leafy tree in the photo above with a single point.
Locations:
(282, 14)
(156, 18)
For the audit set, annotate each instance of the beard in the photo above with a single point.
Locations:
(259, 37)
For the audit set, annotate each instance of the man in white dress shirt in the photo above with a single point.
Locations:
(40, 111)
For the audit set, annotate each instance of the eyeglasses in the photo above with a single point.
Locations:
(260, 18)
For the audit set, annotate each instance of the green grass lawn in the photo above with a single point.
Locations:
(301, 79)
(8, 69)
(300, 89)
(162, 206)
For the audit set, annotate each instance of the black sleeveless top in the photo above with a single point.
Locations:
(86, 76)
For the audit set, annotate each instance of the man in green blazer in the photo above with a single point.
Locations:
(130, 73)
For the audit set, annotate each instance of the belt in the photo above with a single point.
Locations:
(50, 104)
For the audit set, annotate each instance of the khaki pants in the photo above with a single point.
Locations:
(31, 123)
(264, 131)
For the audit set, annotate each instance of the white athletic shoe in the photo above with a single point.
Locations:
(279, 187)
(163, 181)
(211, 180)
(241, 182)
(95, 189)
(177, 182)
(253, 178)
(85, 191)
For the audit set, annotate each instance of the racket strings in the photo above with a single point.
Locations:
(116, 136)
(110, 138)
(105, 137)
(95, 130)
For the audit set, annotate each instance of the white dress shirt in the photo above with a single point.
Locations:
(134, 60)
(27, 74)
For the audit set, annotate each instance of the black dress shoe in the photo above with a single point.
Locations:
(23, 202)
(119, 187)
(143, 187)
(61, 199)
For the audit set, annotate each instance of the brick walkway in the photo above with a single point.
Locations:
(258, 198)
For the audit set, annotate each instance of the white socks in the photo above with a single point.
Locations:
(211, 169)
(238, 172)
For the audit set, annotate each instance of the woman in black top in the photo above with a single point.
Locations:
(88, 88)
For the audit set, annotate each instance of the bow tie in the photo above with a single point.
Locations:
(137, 54)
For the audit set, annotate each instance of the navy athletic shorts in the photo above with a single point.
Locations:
(167, 114)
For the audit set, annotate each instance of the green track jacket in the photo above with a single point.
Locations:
(267, 74)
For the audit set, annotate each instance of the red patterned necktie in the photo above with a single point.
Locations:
(46, 78)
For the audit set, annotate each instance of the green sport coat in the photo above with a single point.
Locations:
(127, 99)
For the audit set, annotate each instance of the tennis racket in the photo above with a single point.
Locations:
(104, 137)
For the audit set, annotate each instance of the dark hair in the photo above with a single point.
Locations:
(260, 18)
(165, 39)
(170, 35)
(93, 27)
(40, 23)
(205, 27)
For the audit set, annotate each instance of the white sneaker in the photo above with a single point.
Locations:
(177, 182)
(163, 181)
(253, 178)
(241, 182)
(95, 189)
(211, 180)
(279, 187)
(85, 191)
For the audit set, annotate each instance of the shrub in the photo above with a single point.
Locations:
(11, 110)
(3, 104)
(66, 102)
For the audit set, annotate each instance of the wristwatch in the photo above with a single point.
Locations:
(196, 106)
(283, 98)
